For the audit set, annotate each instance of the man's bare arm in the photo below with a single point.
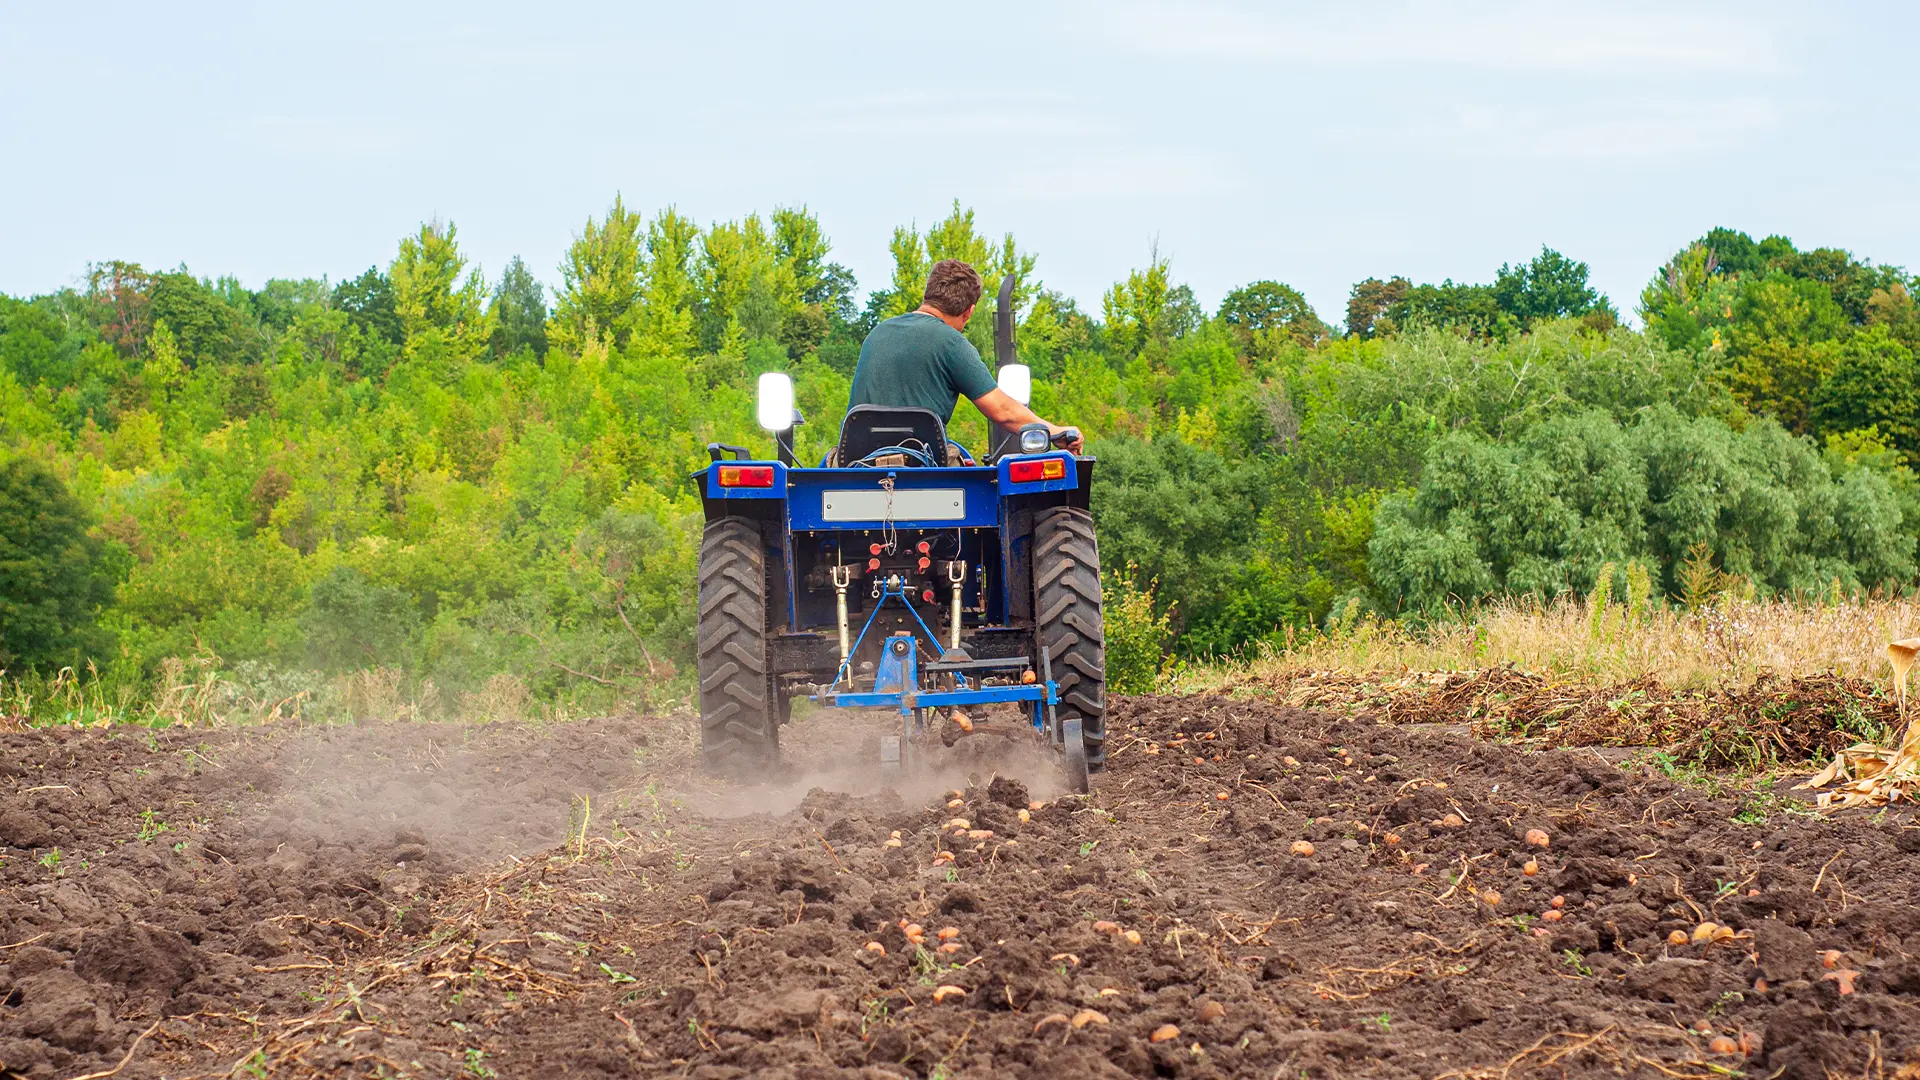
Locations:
(1001, 410)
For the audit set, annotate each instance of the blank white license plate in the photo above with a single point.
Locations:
(875, 504)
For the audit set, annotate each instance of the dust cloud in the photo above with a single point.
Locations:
(839, 751)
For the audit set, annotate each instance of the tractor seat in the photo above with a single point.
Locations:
(868, 428)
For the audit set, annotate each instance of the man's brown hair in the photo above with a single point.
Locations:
(953, 286)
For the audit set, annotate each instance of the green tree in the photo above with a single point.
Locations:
(1269, 305)
(1874, 384)
(1552, 286)
(442, 313)
(600, 281)
(519, 312)
(54, 581)
(1776, 345)
(368, 302)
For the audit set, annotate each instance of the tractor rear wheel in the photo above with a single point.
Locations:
(739, 704)
(1067, 621)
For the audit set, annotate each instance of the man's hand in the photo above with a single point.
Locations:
(1005, 413)
(1068, 437)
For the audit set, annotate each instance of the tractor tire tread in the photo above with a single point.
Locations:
(739, 724)
(1067, 620)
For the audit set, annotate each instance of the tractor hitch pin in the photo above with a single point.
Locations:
(956, 573)
(842, 577)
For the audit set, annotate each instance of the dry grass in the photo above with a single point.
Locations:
(1728, 643)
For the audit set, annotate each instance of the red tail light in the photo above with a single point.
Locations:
(1027, 472)
(751, 476)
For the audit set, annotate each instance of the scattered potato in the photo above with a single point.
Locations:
(1036, 805)
(955, 804)
(1677, 937)
(1163, 1033)
(1704, 932)
(876, 948)
(979, 834)
(1843, 976)
(1025, 816)
(960, 823)
(947, 933)
(1107, 991)
(1558, 901)
(1391, 838)
(1302, 848)
(951, 947)
(1221, 795)
(1830, 959)
(1720, 1044)
(1131, 937)
(1290, 761)
(915, 930)
(1491, 898)
(1066, 956)
(892, 842)
(1451, 821)
(1087, 1016)
(1538, 837)
(1531, 868)
(1211, 1011)
(1106, 926)
(1049, 1020)
(1552, 915)
(942, 993)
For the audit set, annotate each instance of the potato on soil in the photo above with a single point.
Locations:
(1552, 915)
(1106, 926)
(1210, 1011)
(1049, 1020)
(1720, 1044)
(943, 993)
(1088, 1016)
(1164, 1033)
(1538, 838)
(1677, 938)
(1131, 937)
(947, 933)
(1302, 848)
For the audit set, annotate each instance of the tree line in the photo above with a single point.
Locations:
(426, 469)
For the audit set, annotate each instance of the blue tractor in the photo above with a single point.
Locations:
(900, 574)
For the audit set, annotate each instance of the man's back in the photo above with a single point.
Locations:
(917, 361)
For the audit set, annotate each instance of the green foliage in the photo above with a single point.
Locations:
(53, 576)
(1137, 634)
(296, 484)
(1555, 510)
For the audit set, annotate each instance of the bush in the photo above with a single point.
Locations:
(53, 579)
(1547, 514)
(1137, 636)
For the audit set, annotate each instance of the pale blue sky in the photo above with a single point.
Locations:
(1313, 143)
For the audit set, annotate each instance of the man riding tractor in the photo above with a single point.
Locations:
(921, 360)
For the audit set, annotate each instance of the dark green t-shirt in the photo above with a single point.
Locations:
(917, 361)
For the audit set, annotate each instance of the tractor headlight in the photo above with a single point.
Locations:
(1034, 438)
(776, 401)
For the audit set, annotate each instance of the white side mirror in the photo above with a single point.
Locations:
(776, 401)
(1016, 381)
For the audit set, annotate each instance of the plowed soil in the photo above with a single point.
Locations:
(573, 900)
